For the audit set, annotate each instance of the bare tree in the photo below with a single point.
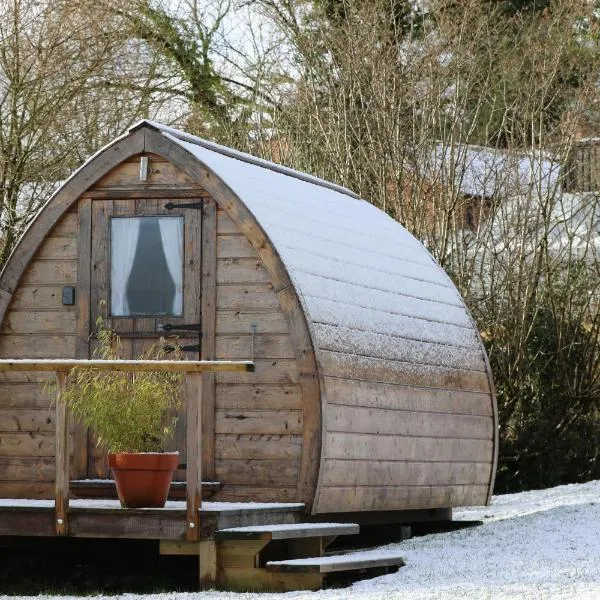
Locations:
(457, 127)
(56, 101)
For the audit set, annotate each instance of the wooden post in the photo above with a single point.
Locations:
(61, 487)
(194, 459)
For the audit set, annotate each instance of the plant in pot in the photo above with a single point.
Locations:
(133, 415)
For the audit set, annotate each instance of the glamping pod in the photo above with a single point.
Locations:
(372, 390)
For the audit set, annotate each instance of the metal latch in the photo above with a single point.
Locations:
(176, 327)
(188, 348)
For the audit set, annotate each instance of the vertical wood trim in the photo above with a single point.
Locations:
(208, 320)
(5, 298)
(102, 211)
(193, 449)
(82, 326)
(207, 556)
(313, 394)
(61, 486)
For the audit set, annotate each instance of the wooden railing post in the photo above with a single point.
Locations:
(193, 454)
(61, 485)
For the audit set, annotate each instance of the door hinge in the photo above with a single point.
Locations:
(171, 205)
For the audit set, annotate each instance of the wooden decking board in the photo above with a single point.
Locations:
(333, 564)
(106, 518)
(287, 532)
(98, 488)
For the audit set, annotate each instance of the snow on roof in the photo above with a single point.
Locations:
(351, 264)
(492, 172)
(569, 223)
(243, 156)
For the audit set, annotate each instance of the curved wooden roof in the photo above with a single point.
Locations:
(362, 278)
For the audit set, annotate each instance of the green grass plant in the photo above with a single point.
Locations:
(128, 412)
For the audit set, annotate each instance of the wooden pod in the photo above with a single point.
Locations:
(371, 392)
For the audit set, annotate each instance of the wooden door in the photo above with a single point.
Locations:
(145, 283)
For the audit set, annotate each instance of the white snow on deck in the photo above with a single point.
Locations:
(170, 505)
(541, 545)
(287, 527)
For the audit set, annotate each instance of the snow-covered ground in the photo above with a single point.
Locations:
(542, 544)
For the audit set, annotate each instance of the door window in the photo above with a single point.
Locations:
(146, 272)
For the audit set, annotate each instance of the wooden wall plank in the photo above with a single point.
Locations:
(258, 421)
(50, 272)
(383, 421)
(372, 394)
(247, 297)
(128, 173)
(24, 395)
(399, 498)
(344, 473)
(241, 270)
(26, 420)
(27, 469)
(34, 297)
(267, 371)
(41, 322)
(26, 444)
(373, 447)
(34, 490)
(66, 226)
(37, 346)
(235, 322)
(258, 346)
(268, 472)
(365, 368)
(262, 446)
(58, 248)
(259, 397)
(225, 224)
(25, 377)
(234, 246)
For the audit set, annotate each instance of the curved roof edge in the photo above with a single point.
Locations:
(248, 158)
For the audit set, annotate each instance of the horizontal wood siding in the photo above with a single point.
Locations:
(395, 498)
(36, 325)
(409, 423)
(258, 417)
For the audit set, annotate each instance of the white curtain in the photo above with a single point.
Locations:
(171, 234)
(123, 243)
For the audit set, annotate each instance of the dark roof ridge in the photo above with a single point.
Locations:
(248, 158)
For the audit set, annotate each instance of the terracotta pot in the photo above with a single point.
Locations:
(143, 479)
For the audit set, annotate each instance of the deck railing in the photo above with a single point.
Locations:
(191, 368)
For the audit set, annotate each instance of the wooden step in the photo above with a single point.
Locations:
(287, 532)
(332, 564)
(105, 488)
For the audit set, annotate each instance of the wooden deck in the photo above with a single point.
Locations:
(106, 518)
